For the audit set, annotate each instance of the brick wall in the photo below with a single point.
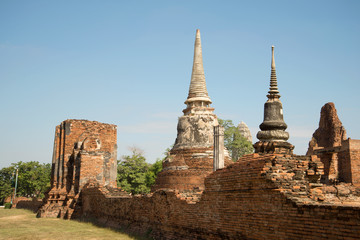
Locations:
(32, 204)
(354, 152)
(259, 197)
(344, 162)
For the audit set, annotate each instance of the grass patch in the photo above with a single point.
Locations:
(23, 224)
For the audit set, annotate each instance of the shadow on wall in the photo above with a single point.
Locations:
(32, 204)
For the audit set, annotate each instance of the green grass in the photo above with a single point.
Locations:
(23, 224)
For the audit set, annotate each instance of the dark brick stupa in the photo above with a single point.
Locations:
(273, 137)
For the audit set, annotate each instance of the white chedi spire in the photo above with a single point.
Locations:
(198, 95)
(196, 127)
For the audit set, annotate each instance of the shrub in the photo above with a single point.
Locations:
(8, 205)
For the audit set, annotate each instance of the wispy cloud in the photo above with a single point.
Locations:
(301, 132)
(166, 115)
(158, 122)
(162, 127)
(21, 48)
(294, 131)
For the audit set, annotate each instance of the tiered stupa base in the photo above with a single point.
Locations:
(274, 147)
(186, 169)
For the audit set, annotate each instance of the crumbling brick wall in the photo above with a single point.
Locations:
(259, 197)
(262, 196)
(32, 204)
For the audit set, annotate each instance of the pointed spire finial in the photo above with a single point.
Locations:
(197, 91)
(274, 92)
(273, 58)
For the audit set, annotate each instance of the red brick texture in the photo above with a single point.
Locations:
(259, 197)
(186, 169)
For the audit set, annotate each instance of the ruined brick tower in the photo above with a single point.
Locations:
(191, 158)
(84, 152)
(273, 137)
(339, 154)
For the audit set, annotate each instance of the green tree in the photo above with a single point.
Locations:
(153, 172)
(132, 172)
(33, 179)
(156, 168)
(240, 146)
(135, 175)
(6, 180)
(236, 144)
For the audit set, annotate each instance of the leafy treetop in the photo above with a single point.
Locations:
(135, 175)
(236, 144)
(33, 179)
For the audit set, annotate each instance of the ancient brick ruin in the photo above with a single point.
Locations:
(84, 151)
(340, 155)
(270, 194)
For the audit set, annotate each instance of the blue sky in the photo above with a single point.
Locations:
(129, 63)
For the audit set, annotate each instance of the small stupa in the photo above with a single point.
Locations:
(273, 137)
(244, 131)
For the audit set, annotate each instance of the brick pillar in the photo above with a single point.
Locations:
(61, 156)
(354, 157)
(55, 160)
